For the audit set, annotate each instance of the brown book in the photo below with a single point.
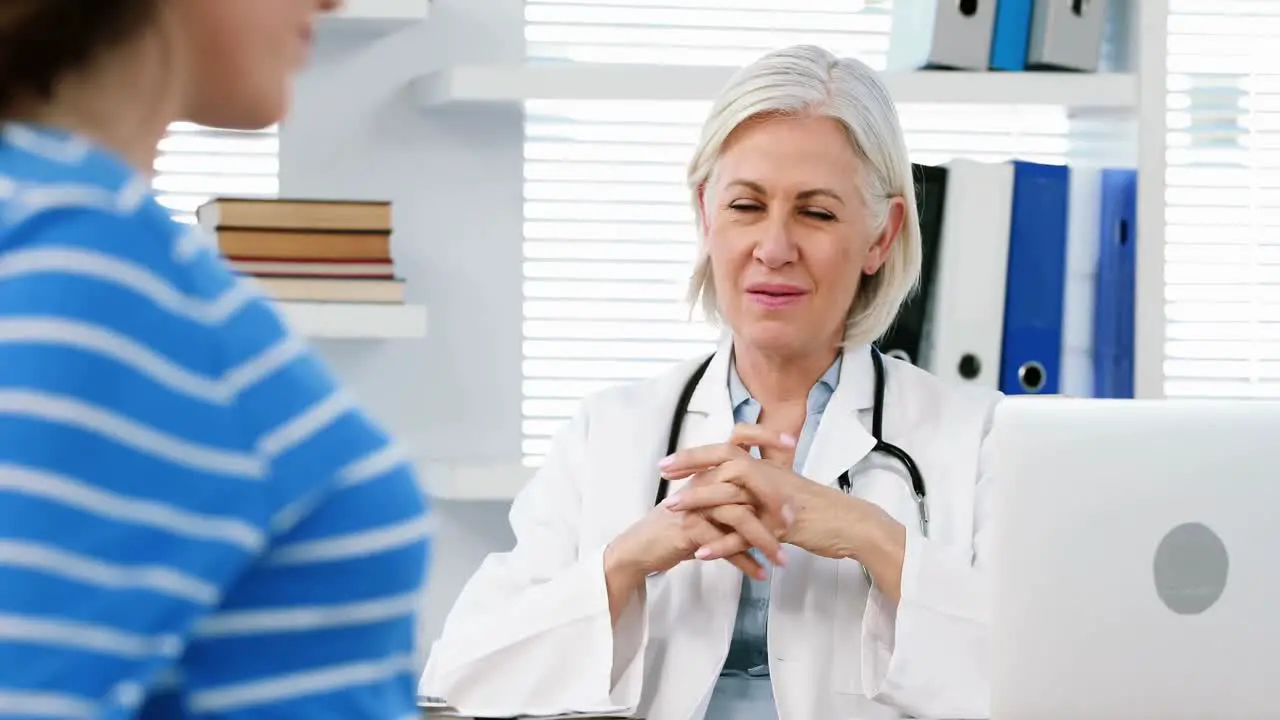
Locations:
(333, 289)
(314, 268)
(304, 245)
(265, 214)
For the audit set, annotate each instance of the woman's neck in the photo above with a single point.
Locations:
(775, 380)
(124, 102)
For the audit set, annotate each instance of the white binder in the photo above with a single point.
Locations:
(966, 310)
(952, 34)
(1083, 224)
(1067, 34)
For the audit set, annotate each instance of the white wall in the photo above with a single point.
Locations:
(455, 181)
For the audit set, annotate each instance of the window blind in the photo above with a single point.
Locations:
(196, 163)
(1222, 216)
(609, 237)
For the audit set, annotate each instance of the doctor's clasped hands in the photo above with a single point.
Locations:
(753, 513)
(816, 517)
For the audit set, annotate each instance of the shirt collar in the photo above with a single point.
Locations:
(739, 395)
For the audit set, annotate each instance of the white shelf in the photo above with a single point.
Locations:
(489, 84)
(373, 321)
(377, 16)
(411, 10)
(472, 482)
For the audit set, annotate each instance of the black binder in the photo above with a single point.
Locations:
(903, 339)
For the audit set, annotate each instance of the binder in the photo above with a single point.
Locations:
(902, 340)
(1067, 35)
(1031, 351)
(1083, 220)
(1114, 300)
(966, 310)
(1011, 34)
(950, 34)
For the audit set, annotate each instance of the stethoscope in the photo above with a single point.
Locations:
(845, 482)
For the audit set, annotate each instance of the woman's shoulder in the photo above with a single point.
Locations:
(111, 257)
(76, 214)
(59, 192)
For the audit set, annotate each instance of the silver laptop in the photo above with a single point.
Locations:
(1136, 559)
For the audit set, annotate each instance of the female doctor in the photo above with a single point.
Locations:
(815, 546)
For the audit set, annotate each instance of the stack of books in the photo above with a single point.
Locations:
(308, 250)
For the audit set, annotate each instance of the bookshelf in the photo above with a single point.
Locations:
(479, 85)
(376, 17)
(355, 321)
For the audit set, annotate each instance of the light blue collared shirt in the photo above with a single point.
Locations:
(744, 691)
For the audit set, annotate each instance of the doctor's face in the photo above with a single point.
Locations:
(788, 233)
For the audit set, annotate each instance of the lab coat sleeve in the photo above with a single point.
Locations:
(531, 632)
(927, 656)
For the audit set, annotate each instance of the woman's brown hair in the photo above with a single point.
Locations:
(42, 40)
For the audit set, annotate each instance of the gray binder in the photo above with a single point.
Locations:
(1067, 34)
(951, 34)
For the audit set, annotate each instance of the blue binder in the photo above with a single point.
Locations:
(1031, 352)
(1113, 307)
(1011, 35)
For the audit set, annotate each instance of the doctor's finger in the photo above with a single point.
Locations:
(744, 522)
(703, 533)
(701, 497)
(684, 463)
(717, 493)
(768, 498)
(745, 563)
(728, 547)
(749, 435)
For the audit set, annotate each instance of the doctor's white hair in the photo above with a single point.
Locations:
(807, 80)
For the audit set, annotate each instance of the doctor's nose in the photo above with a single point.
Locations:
(776, 246)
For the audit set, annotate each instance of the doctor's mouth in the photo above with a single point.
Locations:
(776, 295)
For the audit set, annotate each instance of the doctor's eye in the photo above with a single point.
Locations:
(745, 206)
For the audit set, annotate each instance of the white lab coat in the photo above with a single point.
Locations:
(531, 631)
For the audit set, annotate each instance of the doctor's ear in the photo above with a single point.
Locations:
(878, 253)
(702, 207)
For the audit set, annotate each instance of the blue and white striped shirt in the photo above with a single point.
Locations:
(195, 519)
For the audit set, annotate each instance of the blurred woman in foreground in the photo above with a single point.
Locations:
(195, 519)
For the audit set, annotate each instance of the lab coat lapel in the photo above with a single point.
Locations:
(710, 416)
(842, 439)
(633, 445)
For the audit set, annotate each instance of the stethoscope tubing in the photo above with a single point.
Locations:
(845, 480)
